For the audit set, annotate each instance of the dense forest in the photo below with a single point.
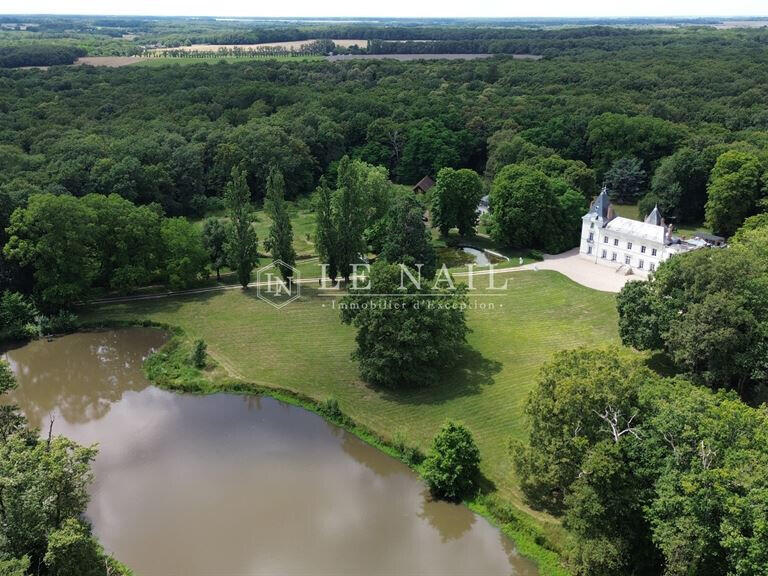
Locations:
(658, 117)
(102, 171)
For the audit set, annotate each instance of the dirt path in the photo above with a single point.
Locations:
(570, 264)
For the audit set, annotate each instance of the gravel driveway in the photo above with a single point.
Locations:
(586, 273)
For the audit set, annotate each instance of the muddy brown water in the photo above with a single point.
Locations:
(231, 485)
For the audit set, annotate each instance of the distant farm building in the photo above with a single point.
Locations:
(423, 185)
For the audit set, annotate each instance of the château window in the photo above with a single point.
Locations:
(629, 245)
(605, 239)
(641, 264)
(589, 249)
(614, 256)
(642, 249)
(591, 236)
(604, 254)
(652, 267)
(653, 251)
(627, 260)
(615, 241)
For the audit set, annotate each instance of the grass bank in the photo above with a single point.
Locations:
(302, 354)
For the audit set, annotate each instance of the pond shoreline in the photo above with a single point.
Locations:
(168, 369)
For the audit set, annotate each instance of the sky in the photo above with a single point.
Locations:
(393, 8)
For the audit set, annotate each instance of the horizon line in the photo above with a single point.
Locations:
(249, 17)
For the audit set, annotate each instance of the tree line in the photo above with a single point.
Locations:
(64, 247)
(38, 55)
(650, 475)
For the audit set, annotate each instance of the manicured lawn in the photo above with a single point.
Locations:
(305, 348)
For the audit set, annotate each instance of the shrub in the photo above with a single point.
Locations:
(536, 255)
(60, 323)
(330, 409)
(15, 313)
(453, 464)
(199, 353)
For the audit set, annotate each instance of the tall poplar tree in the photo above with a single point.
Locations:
(280, 240)
(349, 212)
(242, 243)
(325, 235)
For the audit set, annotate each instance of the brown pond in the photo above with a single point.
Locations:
(230, 485)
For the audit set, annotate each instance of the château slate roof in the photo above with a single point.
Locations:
(602, 204)
(637, 229)
(655, 217)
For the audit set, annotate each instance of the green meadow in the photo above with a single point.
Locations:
(304, 348)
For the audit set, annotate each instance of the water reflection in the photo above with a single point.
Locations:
(224, 484)
(451, 520)
(81, 375)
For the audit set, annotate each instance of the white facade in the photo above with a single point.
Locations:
(629, 246)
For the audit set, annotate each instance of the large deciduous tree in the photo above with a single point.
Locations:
(186, 259)
(404, 338)
(127, 239)
(407, 239)
(215, 234)
(506, 147)
(735, 186)
(679, 185)
(531, 210)
(455, 198)
(707, 310)
(54, 236)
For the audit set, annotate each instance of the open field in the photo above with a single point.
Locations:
(305, 348)
(407, 57)
(159, 60)
(291, 45)
(109, 61)
(118, 61)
